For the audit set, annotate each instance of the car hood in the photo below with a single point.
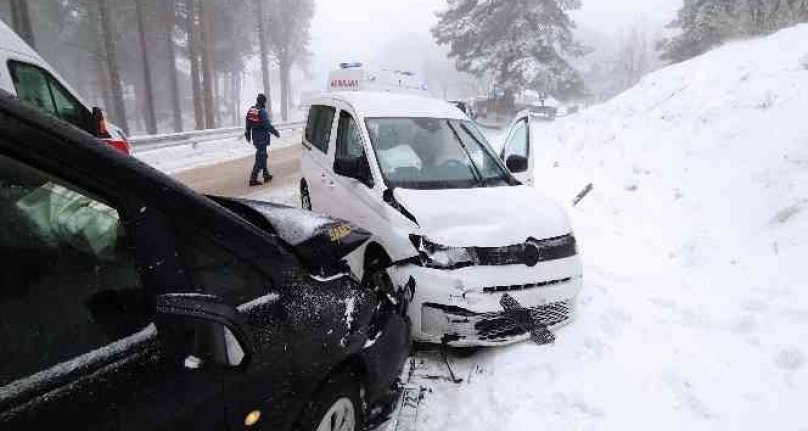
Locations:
(484, 217)
(318, 240)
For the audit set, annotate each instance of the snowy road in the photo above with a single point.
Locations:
(222, 167)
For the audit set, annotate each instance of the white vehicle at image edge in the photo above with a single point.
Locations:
(450, 223)
(25, 74)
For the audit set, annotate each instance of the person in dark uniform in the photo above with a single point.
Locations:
(258, 130)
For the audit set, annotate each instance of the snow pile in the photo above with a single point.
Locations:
(694, 313)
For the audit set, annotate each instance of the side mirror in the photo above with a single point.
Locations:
(99, 123)
(516, 164)
(356, 168)
(202, 330)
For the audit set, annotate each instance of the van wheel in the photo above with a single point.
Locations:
(337, 406)
(305, 198)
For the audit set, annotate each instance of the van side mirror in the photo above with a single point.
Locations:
(516, 163)
(202, 330)
(99, 123)
(356, 168)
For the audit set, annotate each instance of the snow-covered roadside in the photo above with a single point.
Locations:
(176, 159)
(694, 313)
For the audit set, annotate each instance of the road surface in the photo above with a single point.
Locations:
(230, 178)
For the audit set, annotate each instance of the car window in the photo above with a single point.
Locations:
(67, 107)
(70, 284)
(213, 270)
(479, 151)
(349, 141)
(318, 127)
(32, 86)
(433, 153)
(517, 141)
(39, 88)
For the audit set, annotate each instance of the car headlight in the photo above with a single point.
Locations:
(442, 257)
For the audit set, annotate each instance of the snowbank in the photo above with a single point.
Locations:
(694, 313)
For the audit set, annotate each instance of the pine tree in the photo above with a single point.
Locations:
(21, 20)
(148, 88)
(108, 32)
(522, 44)
(706, 24)
(290, 21)
(263, 48)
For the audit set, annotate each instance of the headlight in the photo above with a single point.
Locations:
(442, 257)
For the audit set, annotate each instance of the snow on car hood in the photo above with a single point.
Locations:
(484, 217)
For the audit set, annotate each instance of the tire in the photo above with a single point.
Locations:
(337, 406)
(305, 197)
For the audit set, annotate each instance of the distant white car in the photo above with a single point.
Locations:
(450, 223)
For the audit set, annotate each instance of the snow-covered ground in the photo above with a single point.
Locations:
(179, 158)
(496, 137)
(694, 313)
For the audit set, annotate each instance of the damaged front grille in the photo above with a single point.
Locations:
(458, 323)
(529, 253)
(514, 287)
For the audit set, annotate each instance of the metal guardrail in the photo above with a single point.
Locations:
(153, 142)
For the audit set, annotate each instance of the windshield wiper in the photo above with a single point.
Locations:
(475, 170)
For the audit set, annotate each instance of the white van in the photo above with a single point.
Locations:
(25, 74)
(451, 225)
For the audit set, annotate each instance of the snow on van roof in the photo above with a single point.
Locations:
(378, 104)
(9, 40)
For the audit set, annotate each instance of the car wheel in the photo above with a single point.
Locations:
(305, 198)
(337, 406)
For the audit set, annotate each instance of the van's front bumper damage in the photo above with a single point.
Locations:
(461, 307)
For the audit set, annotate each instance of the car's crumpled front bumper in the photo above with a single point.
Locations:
(462, 307)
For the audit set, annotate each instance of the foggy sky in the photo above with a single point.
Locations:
(395, 33)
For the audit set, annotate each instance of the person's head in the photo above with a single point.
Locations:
(261, 100)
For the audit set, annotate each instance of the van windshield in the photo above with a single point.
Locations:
(433, 153)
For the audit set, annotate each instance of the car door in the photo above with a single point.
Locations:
(81, 268)
(314, 162)
(518, 144)
(266, 384)
(355, 194)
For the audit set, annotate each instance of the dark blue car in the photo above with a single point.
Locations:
(128, 301)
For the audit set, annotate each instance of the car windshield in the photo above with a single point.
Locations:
(434, 153)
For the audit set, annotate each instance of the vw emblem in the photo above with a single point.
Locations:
(531, 254)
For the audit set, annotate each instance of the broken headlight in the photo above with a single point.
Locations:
(438, 256)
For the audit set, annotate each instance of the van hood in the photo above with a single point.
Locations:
(484, 217)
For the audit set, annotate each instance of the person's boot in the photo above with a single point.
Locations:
(267, 178)
(255, 183)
